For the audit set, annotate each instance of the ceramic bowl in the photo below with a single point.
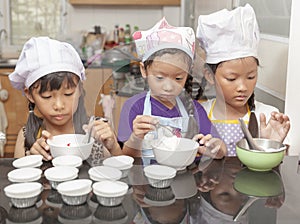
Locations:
(159, 176)
(23, 195)
(70, 144)
(28, 161)
(59, 174)
(100, 173)
(75, 192)
(122, 163)
(258, 184)
(175, 152)
(110, 193)
(67, 160)
(27, 174)
(259, 160)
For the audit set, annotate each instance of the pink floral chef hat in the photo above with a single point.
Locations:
(161, 36)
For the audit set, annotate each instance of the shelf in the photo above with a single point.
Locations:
(126, 2)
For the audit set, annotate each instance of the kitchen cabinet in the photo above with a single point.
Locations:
(119, 101)
(125, 2)
(16, 111)
(99, 80)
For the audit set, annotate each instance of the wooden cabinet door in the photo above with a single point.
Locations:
(99, 80)
(16, 111)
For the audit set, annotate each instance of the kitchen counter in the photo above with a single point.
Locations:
(190, 203)
(8, 62)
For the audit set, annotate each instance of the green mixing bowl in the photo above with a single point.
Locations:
(258, 184)
(258, 160)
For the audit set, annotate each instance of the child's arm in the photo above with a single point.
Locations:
(277, 127)
(210, 146)
(103, 132)
(142, 124)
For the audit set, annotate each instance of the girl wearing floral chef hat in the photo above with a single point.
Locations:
(50, 73)
(166, 54)
(230, 39)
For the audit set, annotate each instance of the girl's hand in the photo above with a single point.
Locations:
(102, 132)
(277, 127)
(41, 147)
(142, 124)
(209, 146)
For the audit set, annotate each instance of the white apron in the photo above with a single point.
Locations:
(179, 123)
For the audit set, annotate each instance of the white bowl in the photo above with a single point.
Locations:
(70, 144)
(75, 192)
(28, 161)
(67, 160)
(59, 174)
(27, 174)
(110, 193)
(175, 152)
(23, 195)
(159, 176)
(100, 173)
(123, 163)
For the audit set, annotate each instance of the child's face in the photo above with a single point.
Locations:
(57, 106)
(235, 81)
(166, 77)
(224, 197)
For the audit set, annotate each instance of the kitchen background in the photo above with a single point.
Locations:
(278, 51)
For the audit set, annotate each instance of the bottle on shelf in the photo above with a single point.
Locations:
(116, 34)
(121, 36)
(127, 34)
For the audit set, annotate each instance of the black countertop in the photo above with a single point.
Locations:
(216, 201)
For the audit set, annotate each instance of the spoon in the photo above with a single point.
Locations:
(87, 137)
(166, 130)
(251, 143)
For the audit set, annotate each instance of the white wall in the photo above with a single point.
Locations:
(84, 18)
(273, 57)
(292, 104)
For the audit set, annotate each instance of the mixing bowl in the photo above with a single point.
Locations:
(260, 160)
(175, 152)
(70, 144)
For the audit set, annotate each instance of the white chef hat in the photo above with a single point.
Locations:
(227, 35)
(41, 56)
(161, 36)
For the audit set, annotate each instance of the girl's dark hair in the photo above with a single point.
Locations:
(186, 95)
(253, 125)
(50, 82)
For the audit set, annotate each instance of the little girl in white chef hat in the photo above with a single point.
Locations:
(167, 55)
(230, 40)
(50, 73)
